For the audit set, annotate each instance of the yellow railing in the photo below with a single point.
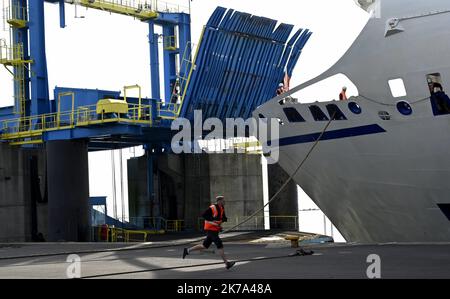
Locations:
(14, 56)
(170, 43)
(27, 127)
(168, 110)
(127, 236)
(164, 6)
(126, 88)
(258, 223)
(135, 9)
(11, 55)
(137, 114)
(140, 9)
(174, 225)
(115, 234)
(158, 223)
(60, 96)
(248, 147)
(17, 16)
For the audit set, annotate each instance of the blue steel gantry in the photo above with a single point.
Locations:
(35, 118)
(237, 66)
(239, 62)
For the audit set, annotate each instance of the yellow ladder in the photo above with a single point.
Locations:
(187, 64)
(183, 81)
(19, 94)
(19, 90)
(14, 57)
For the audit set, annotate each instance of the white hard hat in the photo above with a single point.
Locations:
(281, 85)
(344, 88)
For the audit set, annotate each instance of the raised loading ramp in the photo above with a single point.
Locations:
(240, 62)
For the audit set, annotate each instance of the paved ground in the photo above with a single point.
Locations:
(266, 260)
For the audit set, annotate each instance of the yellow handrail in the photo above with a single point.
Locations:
(13, 129)
(128, 8)
(64, 94)
(11, 54)
(136, 86)
(259, 222)
(18, 12)
(117, 234)
(191, 71)
(170, 42)
(16, 16)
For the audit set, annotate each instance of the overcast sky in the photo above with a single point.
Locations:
(109, 51)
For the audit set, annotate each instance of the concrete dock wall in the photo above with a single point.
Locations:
(23, 208)
(188, 184)
(68, 191)
(286, 203)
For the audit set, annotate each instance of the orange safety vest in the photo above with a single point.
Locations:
(214, 225)
(343, 96)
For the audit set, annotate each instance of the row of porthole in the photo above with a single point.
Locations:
(402, 107)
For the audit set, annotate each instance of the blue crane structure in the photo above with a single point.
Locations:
(238, 64)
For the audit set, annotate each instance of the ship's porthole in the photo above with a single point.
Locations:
(261, 116)
(280, 121)
(355, 108)
(384, 115)
(404, 108)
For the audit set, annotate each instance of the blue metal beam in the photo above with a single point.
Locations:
(39, 79)
(154, 61)
(93, 132)
(62, 14)
(170, 74)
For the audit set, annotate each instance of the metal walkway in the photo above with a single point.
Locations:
(141, 10)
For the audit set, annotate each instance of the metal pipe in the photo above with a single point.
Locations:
(113, 163)
(122, 199)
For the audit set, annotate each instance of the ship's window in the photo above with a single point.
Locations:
(355, 108)
(292, 115)
(434, 82)
(288, 100)
(404, 108)
(318, 114)
(384, 115)
(280, 121)
(445, 208)
(261, 116)
(334, 110)
(398, 88)
(440, 102)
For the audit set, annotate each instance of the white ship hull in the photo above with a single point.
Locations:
(383, 184)
(379, 178)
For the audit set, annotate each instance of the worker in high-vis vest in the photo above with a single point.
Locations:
(214, 217)
(343, 94)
